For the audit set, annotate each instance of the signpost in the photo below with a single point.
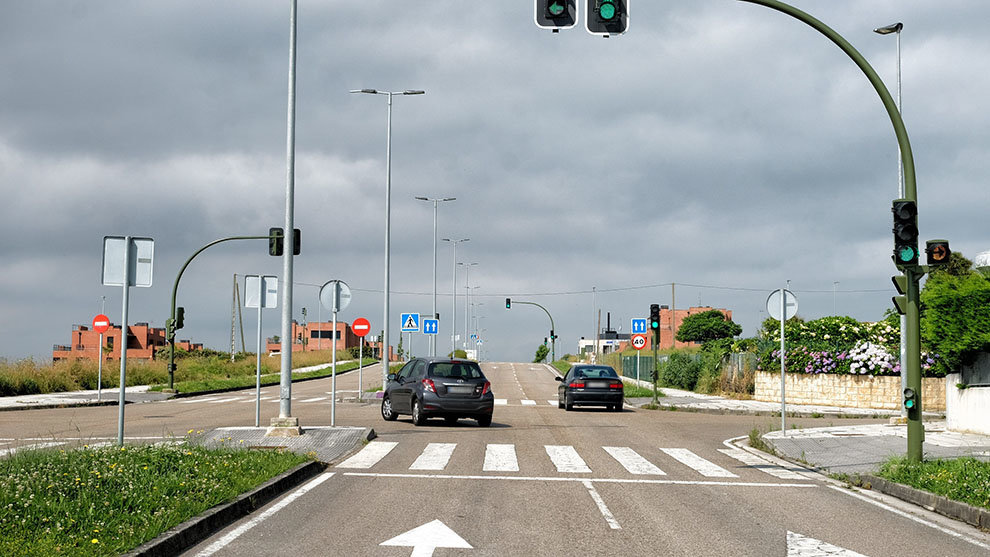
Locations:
(409, 323)
(259, 292)
(100, 324)
(335, 295)
(784, 305)
(431, 326)
(127, 261)
(361, 327)
(639, 343)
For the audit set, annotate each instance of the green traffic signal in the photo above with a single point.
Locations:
(555, 8)
(606, 10)
(906, 254)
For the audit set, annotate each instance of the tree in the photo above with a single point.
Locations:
(707, 326)
(541, 353)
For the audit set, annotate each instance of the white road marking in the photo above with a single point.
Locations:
(500, 458)
(762, 465)
(553, 402)
(434, 457)
(527, 402)
(501, 402)
(803, 546)
(369, 455)
(643, 481)
(12, 450)
(195, 400)
(702, 466)
(234, 534)
(612, 522)
(566, 459)
(222, 400)
(317, 399)
(633, 462)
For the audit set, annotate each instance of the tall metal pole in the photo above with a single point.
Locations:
(388, 238)
(121, 400)
(433, 338)
(257, 364)
(285, 383)
(333, 365)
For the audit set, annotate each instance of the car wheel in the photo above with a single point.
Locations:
(450, 420)
(485, 421)
(568, 405)
(417, 413)
(387, 411)
(617, 408)
(560, 402)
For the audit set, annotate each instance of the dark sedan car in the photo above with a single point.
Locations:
(590, 385)
(439, 387)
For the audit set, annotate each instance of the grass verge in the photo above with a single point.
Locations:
(962, 479)
(563, 366)
(635, 391)
(242, 381)
(108, 500)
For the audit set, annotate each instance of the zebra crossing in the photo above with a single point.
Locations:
(566, 459)
(273, 398)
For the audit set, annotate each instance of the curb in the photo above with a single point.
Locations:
(198, 528)
(956, 510)
(232, 389)
(61, 405)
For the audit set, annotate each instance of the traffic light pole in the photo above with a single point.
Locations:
(553, 340)
(913, 274)
(170, 323)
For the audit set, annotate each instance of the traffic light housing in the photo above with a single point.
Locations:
(276, 241)
(654, 317)
(556, 14)
(508, 303)
(905, 232)
(911, 403)
(607, 17)
(937, 252)
(900, 302)
(180, 318)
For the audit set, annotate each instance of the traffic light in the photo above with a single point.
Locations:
(654, 317)
(900, 302)
(905, 232)
(508, 303)
(552, 336)
(938, 252)
(607, 17)
(170, 329)
(556, 14)
(276, 240)
(180, 317)
(910, 401)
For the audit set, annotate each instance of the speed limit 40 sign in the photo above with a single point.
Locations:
(639, 342)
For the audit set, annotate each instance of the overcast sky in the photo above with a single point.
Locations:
(718, 145)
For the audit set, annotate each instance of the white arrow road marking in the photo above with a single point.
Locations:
(803, 546)
(428, 537)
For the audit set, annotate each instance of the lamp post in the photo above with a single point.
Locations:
(436, 203)
(467, 292)
(895, 29)
(453, 294)
(388, 214)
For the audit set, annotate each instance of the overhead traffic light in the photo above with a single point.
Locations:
(607, 17)
(508, 303)
(938, 252)
(276, 240)
(905, 232)
(556, 14)
(180, 317)
(654, 317)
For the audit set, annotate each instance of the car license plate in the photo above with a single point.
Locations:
(460, 389)
(598, 384)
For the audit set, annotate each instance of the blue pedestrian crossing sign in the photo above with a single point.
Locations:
(431, 326)
(409, 322)
(639, 326)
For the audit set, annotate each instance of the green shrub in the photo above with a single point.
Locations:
(680, 371)
(955, 321)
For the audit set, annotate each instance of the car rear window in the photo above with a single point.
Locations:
(593, 372)
(456, 370)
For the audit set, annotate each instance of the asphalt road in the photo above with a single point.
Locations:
(543, 481)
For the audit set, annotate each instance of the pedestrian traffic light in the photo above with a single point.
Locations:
(938, 252)
(180, 317)
(655, 317)
(556, 14)
(508, 303)
(910, 401)
(607, 17)
(276, 240)
(905, 232)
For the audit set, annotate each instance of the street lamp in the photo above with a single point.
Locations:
(453, 294)
(436, 203)
(467, 291)
(388, 213)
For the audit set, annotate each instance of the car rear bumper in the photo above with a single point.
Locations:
(434, 405)
(593, 398)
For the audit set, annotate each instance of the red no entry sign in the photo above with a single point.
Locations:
(101, 323)
(639, 342)
(360, 326)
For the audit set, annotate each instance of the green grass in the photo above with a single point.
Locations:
(562, 366)
(962, 479)
(106, 501)
(635, 391)
(236, 382)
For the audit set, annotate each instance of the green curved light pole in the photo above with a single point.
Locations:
(169, 324)
(915, 429)
(553, 342)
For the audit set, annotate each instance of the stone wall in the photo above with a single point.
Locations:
(850, 391)
(966, 408)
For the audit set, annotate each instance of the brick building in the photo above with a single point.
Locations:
(612, 341)
(316, 335)
(142, 341)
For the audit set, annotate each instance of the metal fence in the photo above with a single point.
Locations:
(734, 367)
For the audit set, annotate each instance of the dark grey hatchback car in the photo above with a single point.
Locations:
(439, 387)
(590, 385)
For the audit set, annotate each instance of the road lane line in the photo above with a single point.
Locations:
(195, 400)
(236, 533)
(633, 462)
(566, 459)
(642, 481)
(434, 457)
(762, 465)
(369, 455)
(612, 522)
(553, 402)
(702, 466)
(222, 400)
(317, 399)
(527, 402)
(500, 458)
(501, 401)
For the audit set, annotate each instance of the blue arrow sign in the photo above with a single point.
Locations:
(409, 322)
(431, 326)
(639, 326)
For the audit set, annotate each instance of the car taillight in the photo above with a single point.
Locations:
(429, 386)
(576, 385)
(483, 388)
(615, 386)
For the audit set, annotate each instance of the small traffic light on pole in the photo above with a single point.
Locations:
(508, 303)
(556, 14)
(905, 232)
(276, 241)
(607, 17)
(911, 403)
(180, 318)
(900, 301)
(654, 317)
(938, 252)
